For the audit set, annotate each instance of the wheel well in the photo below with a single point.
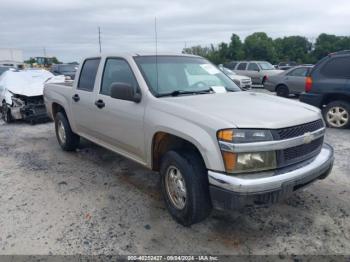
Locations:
(57, 108)
(164, 142)
(333, 97)
(280, 85)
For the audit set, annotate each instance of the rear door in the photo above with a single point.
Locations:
(295, 80)
(119, 123)
(253, 71)
(241, 68)
(333, 76)
(82, 101)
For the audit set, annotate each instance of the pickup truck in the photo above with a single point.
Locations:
(213, 145)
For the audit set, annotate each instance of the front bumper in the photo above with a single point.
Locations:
(235, 191)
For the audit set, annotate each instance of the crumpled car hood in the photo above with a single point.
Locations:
(27, 82)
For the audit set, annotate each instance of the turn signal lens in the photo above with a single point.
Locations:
(230, 160)
(225, 135)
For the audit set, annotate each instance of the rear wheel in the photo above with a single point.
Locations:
(185, 186)
(282, 90)
(68, 140)
(337, 114)
(6, 113)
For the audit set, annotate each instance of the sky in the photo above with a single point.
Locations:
(69, 29)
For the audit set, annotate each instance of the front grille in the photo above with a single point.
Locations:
(294, 131)
(302, 152)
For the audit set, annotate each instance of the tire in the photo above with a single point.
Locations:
(197, 204)
(337, 114)
(282, 90)
(68, 140)
(6, 113)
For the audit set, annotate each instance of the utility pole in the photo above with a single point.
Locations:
(99, 38)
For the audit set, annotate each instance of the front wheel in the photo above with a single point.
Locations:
(185, 186)
(6, 113)
(337, 114)
(282, 91)
(68, 140)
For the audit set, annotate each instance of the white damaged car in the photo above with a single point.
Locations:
(21, 94)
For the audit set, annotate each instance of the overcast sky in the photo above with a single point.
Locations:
(68, 29)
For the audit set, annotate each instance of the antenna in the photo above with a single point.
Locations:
(99, 38)
(156, 40)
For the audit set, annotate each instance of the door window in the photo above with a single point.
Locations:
(253, 67)
(116, 71)
(88, 74)
(242, 66)
(337, 68)
(301, 72)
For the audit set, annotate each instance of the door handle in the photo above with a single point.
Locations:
(100, 104)
(76, 98)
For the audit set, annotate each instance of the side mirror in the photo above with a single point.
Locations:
(124, 91)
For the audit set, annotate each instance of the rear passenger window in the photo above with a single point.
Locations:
(116, 71)
(242, 66)
(338, 67)
(88, 74)
(298, 72)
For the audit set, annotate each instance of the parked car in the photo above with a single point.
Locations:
(258, 71)
(174, 115)
(328, 87)
(64, 69)
(244, 82)
(291, 81)
(286, 65)
(21, 94)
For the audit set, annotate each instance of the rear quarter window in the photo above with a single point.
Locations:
(338, 67)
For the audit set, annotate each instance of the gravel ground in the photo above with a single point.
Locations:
(96, 202)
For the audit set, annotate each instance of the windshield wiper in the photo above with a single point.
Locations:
(186, 92)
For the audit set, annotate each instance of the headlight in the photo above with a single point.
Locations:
(244, 135)
(251, 161)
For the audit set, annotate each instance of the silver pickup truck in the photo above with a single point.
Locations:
(213, 144)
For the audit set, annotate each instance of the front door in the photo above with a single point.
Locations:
(119, 123)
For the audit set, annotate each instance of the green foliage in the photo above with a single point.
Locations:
(259, 46)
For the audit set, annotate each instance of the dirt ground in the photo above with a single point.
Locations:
(96, 202)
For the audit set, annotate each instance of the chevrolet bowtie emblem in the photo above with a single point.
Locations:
(308, 138)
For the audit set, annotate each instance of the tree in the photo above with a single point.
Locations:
(292, 48)
(236, 51)
(259, 46)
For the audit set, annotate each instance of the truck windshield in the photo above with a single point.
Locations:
(181, 75)
(266, 66)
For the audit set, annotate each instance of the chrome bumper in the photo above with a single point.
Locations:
(299, 174)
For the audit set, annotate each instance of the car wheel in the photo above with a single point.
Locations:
(68, 140)
(6, 113)
(337, 114)
(185, 187)
(282, 91)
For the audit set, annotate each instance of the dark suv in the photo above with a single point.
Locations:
(328, 87)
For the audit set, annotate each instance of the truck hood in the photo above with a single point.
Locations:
(245, 110)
